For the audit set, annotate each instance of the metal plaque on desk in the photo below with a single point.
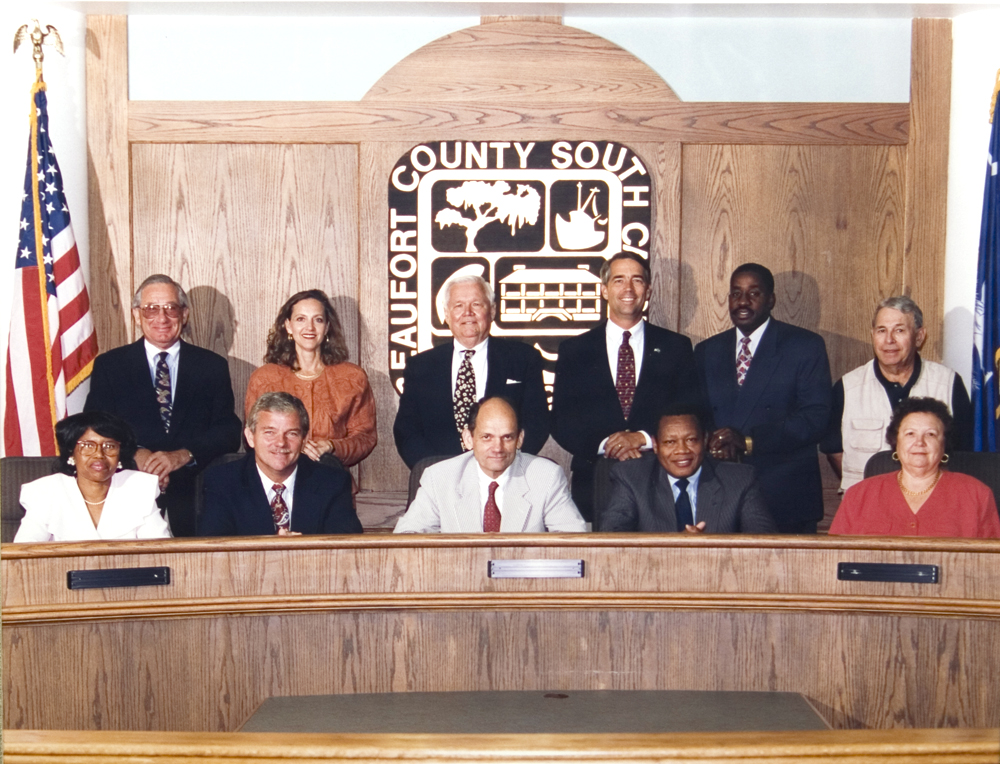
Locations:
(535, 569)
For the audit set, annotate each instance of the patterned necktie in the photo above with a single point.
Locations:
(625, 379)
(465, 391)
(163, 397)
(743, 361)
(683, 506)
(278, 508)
(491, 516)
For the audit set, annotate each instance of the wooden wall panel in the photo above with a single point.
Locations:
(828, 222)
(108, 179)
(927, 173)
(244, 227)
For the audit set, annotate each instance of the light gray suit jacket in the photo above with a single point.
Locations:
(536, 499)
(729, 499)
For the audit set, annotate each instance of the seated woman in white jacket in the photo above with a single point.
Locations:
(98, 494)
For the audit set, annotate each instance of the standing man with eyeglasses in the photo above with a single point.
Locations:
(177, 397)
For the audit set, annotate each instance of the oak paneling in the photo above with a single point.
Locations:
(927, 173)
(980, 746)
(827, 221)
(244, 227)
(519, 61)
(108, 178)
(825, 124)
(257, 618)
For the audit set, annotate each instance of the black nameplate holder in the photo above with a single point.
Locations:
(888, 572)
(117, 577)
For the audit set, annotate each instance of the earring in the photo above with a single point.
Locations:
(120, 467)
(945, 458)
(71, 462)
(290, 337)
(895, 456)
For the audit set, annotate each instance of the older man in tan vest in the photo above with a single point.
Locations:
(864, 399)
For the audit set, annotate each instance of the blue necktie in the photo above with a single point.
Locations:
(683, 506)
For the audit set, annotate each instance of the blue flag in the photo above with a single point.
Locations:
(986, 341)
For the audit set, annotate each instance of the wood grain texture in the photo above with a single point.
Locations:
(927, 174)
(827, 221)
(969, 746)
(252, 620)
(111, 282)
(418, 121)
(383, 470)
(664, 163)
(517, 61)
(243, 228)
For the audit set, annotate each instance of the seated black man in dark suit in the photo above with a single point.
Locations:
(768, 385)
(177, 397)
(441, 384)
(271, 491)
(612, 382)
(679, 488)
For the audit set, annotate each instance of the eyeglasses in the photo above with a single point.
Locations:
(170, 310)
(108, 447)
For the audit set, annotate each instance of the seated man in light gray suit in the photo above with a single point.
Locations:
(494, 488)
(680, 488)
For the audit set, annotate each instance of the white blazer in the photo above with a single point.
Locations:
(536, 499)
(55, 510)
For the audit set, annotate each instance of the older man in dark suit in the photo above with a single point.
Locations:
(680, 489)
(768, 384)
(271, 491)
(612, 382)
(441, 384)
(177, 397)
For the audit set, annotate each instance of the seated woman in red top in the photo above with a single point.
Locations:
(922, 499)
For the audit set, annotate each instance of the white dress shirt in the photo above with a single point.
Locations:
(692, 491)
(484, 490)
(754, 339)
(479, 367)
(287, 494)
(637, 341)
(173, 356)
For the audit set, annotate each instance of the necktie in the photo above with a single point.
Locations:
(465, 391)
(163, 397)
(743, 361)
(683, 506)
(491, 516)
(625, 379)
(279, 509)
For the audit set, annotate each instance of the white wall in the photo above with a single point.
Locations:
(974, 67)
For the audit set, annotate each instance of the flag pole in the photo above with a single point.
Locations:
(993, 100)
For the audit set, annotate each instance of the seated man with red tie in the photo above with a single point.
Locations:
(271, 491)
(494, 487)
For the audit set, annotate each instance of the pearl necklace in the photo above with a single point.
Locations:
(914, 494)
(309, 377)
(95, 503)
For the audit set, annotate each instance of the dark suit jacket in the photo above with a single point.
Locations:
(425, 422)
(203, 419)
(585, 407)
(236, 504)
(784, 405)
(729, 499)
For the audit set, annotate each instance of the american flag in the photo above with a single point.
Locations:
(52, 342)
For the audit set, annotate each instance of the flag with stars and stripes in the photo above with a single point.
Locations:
(52, 342)
(986, 340)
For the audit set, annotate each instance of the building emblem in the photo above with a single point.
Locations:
(536, 220)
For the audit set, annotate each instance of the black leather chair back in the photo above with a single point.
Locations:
(416, 472)
(602, 487)
(15, 471)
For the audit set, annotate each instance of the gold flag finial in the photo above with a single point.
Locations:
(993, 101)
(38, 39)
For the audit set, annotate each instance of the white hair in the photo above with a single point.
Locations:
(444, 294)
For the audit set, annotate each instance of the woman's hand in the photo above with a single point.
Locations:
(314, 449)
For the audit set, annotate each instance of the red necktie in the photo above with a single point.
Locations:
(278, 508)
(491, 516)
(743, 362)
(625, 379)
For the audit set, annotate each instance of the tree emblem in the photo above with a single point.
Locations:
(491, 202)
